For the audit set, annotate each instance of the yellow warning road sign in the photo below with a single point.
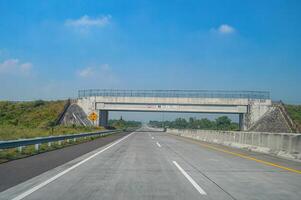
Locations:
(93, 116)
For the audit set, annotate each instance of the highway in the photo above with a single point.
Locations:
(155, 165)
(20, 170)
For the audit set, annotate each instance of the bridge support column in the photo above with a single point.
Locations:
(242, 122)
(103, 118)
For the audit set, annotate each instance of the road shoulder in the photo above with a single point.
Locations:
(18, 171)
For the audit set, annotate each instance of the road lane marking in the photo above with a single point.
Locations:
(152, 138)
(37, 187)
(246, 157)
(252, 158)
(159, 145)
(195, 185)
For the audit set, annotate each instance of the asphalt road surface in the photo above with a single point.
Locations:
(18, 171)
(156, 165)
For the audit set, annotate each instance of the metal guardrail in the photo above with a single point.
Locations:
(175, 93)
(40, 140)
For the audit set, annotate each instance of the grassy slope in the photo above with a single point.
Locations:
(32, 119)
(31, 114)
(295, 113)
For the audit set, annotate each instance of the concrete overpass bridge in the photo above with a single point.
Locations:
(250, 105)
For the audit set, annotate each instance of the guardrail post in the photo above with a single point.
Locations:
(60, 142)
(49, 144)
(20, 148)
(37, 146)
(74, 139)
(68, 140)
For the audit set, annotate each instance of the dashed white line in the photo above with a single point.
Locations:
(195, 185)
(152, 138)
(37, 187)
(158, 144)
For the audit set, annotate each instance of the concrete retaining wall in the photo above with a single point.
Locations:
(285, 145)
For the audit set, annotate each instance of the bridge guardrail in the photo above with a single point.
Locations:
(175, 93)
(40, 140)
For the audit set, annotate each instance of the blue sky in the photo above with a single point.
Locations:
(50, 49)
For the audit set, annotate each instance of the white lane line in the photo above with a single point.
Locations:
(152, 138)
(159, 145)
(32, 190)
(195, 185)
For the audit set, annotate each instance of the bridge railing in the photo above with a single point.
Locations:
(175, 93)
(40, 140)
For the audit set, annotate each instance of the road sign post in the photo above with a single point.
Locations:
(93, 117)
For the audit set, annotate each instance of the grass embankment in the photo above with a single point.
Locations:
(34, 119)
(294, 112)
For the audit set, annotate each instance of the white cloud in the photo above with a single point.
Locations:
(25, 67)
(86, 21)
(14, 66)
(99, 74)
(225, 29)
(86, 72)
(96, 71)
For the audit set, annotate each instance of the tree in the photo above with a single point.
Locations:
(180, 123)
(223, 122)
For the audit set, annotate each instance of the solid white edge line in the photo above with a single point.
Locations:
(37, 187)
(195, 185)
(159, 145)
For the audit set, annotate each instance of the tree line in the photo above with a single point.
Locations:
(120, 123)
(220, 123)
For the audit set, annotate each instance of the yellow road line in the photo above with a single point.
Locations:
(248, 157)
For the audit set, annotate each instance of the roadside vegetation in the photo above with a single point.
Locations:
(16, 153)
(220, 123)
(294, 112)
(33, 119)
(122, 124)
(21, 120)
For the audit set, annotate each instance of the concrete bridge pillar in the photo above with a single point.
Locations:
(242, 122)
(103, 118)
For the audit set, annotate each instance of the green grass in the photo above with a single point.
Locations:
(13, 132)
(32, 114)
(294, 112)
(20, 120)
(33, 119)
(14, 153)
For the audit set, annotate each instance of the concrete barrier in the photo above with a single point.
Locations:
(286, 145)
